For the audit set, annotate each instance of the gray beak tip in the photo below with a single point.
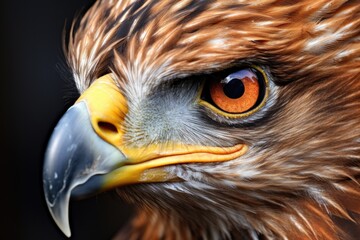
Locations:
(65, 228)
(59, 211)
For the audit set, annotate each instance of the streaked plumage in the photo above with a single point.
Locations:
(303, 162)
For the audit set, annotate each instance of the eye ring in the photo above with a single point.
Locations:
(236, 95)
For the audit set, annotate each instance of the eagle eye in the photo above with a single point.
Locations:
(237, 93)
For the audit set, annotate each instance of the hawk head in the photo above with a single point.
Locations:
(215, 118)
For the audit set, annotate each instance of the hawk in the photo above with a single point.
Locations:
(219, 119)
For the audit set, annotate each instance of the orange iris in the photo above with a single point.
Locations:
(238, 93)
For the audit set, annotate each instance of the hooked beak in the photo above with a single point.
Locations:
(87, 154)
(70, 164)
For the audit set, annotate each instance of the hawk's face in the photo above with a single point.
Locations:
(230, 114)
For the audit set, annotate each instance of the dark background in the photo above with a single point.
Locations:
(35, 90)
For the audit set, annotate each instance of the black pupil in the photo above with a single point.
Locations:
(234, 88)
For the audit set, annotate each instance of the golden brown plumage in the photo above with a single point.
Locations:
(303, 164)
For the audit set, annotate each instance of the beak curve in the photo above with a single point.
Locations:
(70, 169)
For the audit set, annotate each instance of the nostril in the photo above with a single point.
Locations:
(107, 127)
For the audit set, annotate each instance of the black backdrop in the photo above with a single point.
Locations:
(36, 90)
